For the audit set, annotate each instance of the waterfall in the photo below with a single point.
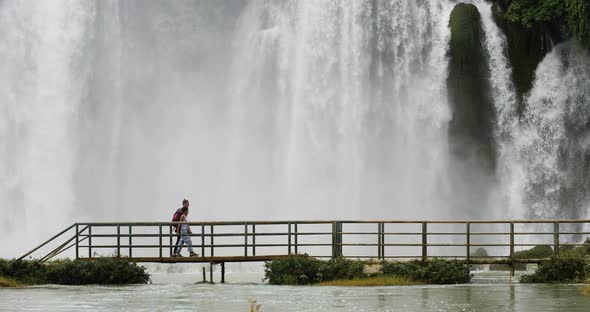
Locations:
(42, 84)
(346, 107)
(328, 109)
(552, 142)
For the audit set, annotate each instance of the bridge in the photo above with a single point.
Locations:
(254, 241)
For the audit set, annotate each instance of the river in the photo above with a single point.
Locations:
(178, 292)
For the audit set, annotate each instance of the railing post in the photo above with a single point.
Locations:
(424, 241)
(338, 239)
(296, 239)
(118, 240)
(89, 241)
(170, 239)
(202, 240)
(130, 242)
(379, 242)
(556, 238)
(212, 249)
(254, 239)
(382, 241)
(289, 237)
(468, 241)
(245, 239)
(334, 240)
(77, 240)
(511, 242)
(160, 241)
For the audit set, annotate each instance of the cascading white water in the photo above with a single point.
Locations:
(42, 77)
(551, 144)
(340, 107)
(116, 110)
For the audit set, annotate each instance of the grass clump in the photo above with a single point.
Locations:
(305, 270)
(74, 272)
(382, 280)
(8, 282)
(586, 290)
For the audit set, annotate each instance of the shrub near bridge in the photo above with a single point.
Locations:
(559, 270)
(74, 272)
(306, 270)
(436, 271)
(571, 265)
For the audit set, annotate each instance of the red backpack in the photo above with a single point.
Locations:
(176, 216)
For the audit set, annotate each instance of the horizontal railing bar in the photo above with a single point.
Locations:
(207, 245)
(428, 245)
(327, 222)
(216, 223)
(200, 235)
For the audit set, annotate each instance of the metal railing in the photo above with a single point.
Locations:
(262, 240)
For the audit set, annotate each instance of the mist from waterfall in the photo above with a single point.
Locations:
(117, 110)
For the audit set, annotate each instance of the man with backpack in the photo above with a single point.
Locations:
(176, 218)
(185, 235)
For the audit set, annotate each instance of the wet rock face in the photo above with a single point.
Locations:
(526, 48)
(470, 130)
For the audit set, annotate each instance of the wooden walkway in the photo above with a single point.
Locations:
(214, 260)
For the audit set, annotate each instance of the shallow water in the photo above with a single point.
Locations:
(177, 292)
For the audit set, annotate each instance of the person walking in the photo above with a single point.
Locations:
(176, 218)
(185, 231)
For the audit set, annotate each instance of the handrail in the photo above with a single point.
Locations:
(46, 242)
(283, 222)
(57, 250)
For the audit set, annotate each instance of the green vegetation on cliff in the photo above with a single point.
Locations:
(305, 270)
(573, 14)
(74, 272)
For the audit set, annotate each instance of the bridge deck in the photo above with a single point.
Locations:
(229, 259)
(198, 259)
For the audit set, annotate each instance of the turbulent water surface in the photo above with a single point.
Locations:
(116, 110)
(178, 293)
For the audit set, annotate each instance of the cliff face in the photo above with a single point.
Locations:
(527, 46)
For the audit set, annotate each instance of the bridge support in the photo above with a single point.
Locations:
(211, 272)
(222, 272)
